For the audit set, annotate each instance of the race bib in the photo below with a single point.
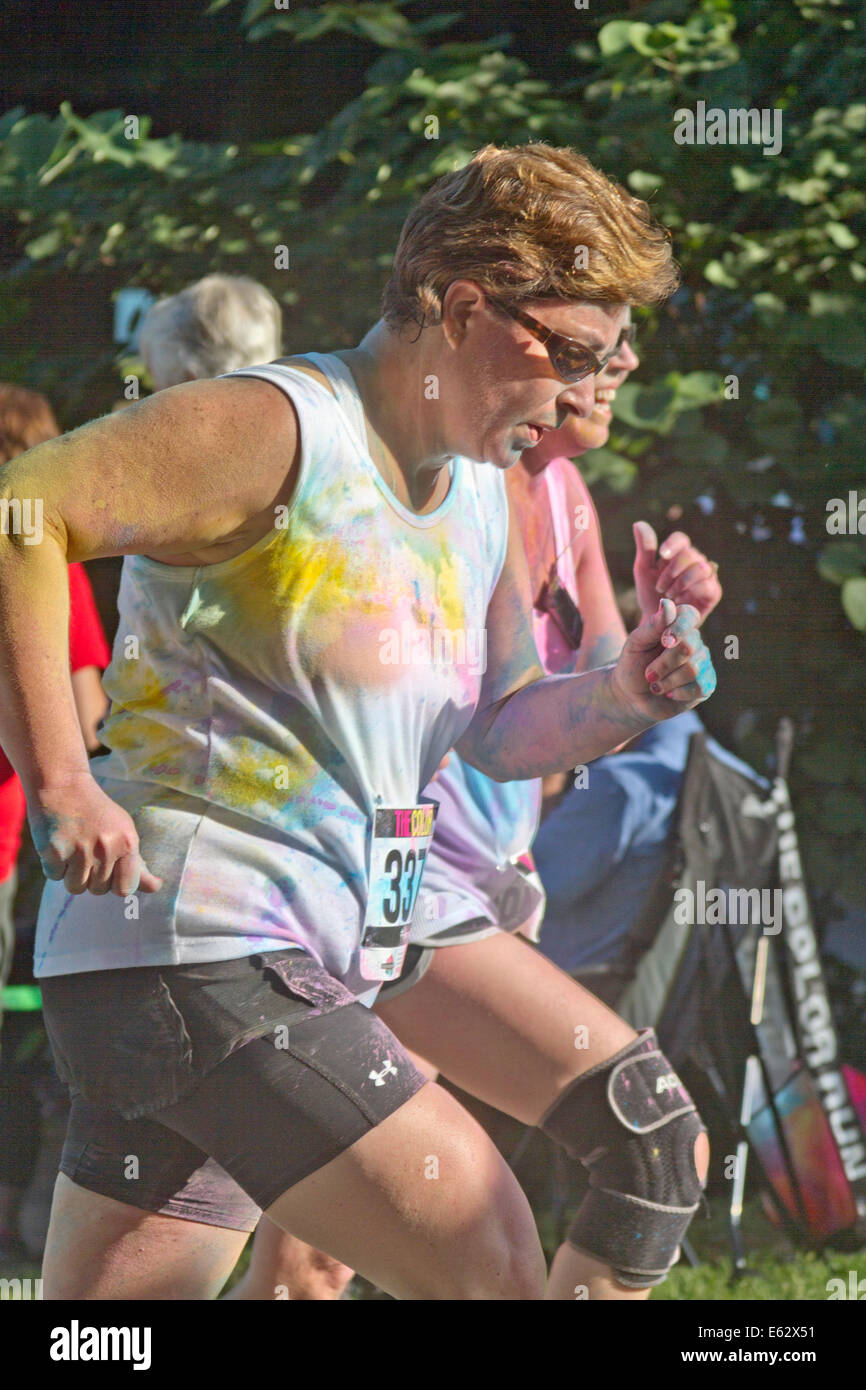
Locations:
(401, 839)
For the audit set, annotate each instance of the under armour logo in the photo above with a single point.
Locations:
(667, 1083)
(379, 1076)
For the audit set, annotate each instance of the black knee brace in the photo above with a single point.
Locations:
(633, 1126)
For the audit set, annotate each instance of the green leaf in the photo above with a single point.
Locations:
(387, 30)
(257, 9)
(10, 119)
(825, 162)
(604, 465)
(840, 340)
(841, 560)
(854, 602)
(643, 182)
(645, 407)
(45, 245)
(620, 34)
(437, 22)
(716, 273)
(32, 141)
(841, 235)
(838, 304)
(695, 389)
(804, 190)
(769, 305)
(745, 180)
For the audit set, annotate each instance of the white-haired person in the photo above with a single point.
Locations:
(231, 886)
(216, 325)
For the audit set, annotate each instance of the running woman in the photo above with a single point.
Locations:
(476, 880)
(251, 848)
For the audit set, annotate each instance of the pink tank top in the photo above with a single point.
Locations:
(553, 650)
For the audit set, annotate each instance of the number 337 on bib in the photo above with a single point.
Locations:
(398, 850)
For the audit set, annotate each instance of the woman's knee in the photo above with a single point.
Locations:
(489, 1243)
(634, 1127)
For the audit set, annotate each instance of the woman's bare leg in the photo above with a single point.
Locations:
(506, 1025)
(423, 1205)
(281, 1266)
(100, 1248)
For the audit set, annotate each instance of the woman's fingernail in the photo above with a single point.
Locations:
(650, 675)
(655, 688)
(668, 640)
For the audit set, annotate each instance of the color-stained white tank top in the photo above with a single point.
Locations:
(274, 699)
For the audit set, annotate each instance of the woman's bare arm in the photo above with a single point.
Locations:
(176, 474)
(91, 702)
(529, 725)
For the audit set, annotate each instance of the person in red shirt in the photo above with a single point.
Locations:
(26, 419)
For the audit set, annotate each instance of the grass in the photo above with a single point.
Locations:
(778, 1270)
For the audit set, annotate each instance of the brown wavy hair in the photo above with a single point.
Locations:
(512, 220)
(26, 419)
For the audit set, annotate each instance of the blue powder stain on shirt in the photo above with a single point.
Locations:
(70, 898)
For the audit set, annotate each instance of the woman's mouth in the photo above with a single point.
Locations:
(604, 397)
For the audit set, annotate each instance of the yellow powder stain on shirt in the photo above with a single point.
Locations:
(138, 689)
(448, 591)
(257, 774)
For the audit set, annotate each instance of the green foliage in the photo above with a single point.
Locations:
(750, 394)
(805, 1278)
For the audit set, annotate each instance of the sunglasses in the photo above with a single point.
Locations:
(571, 360)
(561, 608)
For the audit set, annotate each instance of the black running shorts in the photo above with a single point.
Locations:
(206, 1091)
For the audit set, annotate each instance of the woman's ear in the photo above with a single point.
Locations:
(461, 300)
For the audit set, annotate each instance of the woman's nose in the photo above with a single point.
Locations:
(627, 359)
(580, 396)
(624, 360)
